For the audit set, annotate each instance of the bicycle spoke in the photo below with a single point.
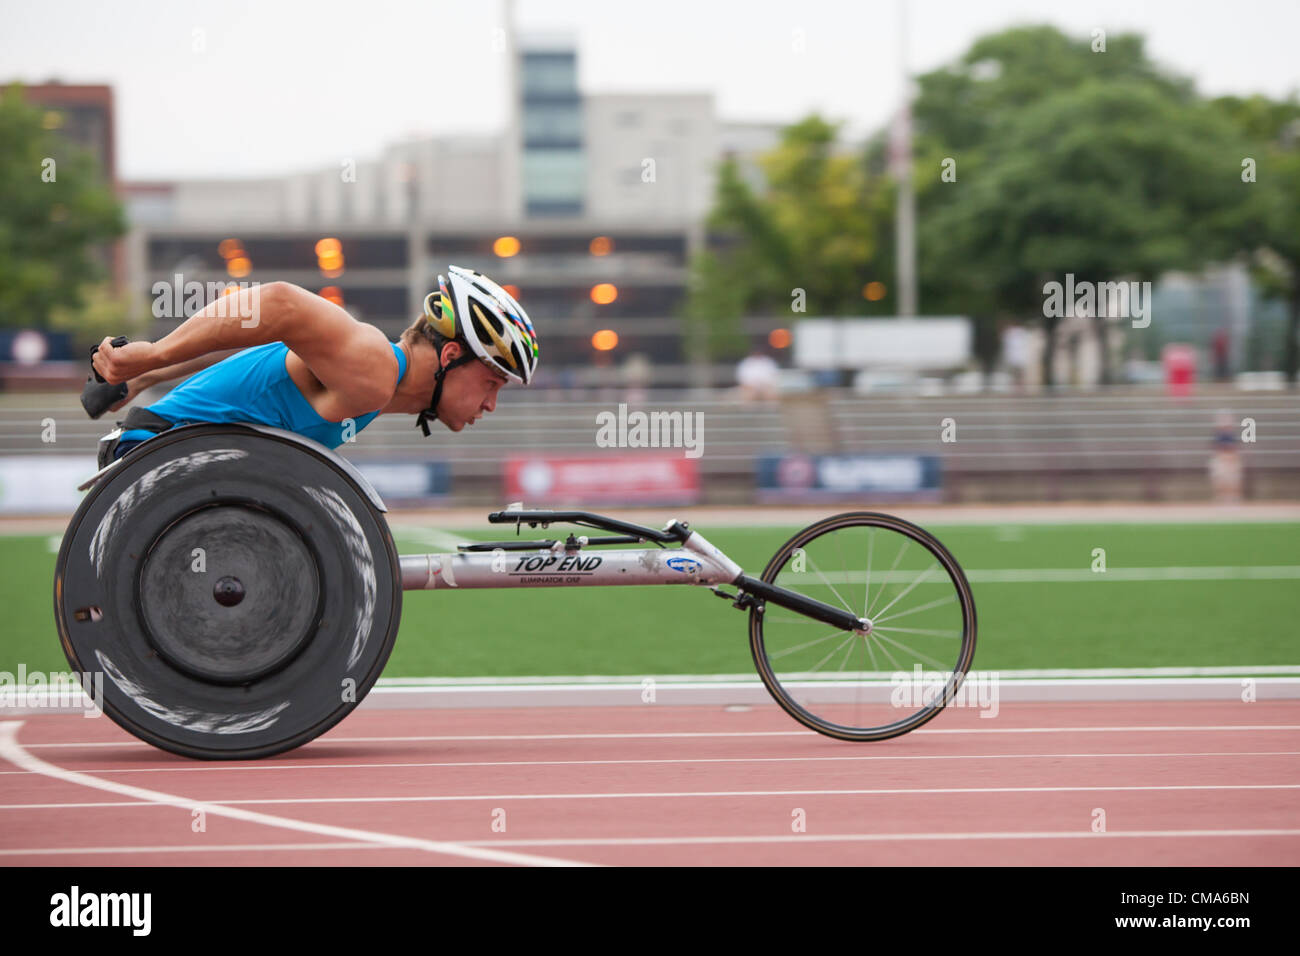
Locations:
(924, 607)
(924, 657)
(871, 651)
(800, 647)
(846, 658)
(828, 583)
(884, 650)
(885, 583)
(899, 597)
(827, 657)
(919, 630)
(866, 595)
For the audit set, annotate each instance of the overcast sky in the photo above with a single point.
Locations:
(257, 87)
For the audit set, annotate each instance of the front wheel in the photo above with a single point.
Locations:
(888, 678)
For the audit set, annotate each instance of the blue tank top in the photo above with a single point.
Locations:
(250, 386)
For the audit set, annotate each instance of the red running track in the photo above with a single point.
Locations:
(1173, 783)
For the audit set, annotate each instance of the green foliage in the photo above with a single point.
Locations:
(1271, 130)
(1068, 161)
(101, 312)
(814, 227)
(52, 215)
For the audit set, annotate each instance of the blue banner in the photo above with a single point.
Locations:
(811, 477)
(408, 482)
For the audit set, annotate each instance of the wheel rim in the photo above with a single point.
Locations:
(246, 611)
(893, 676)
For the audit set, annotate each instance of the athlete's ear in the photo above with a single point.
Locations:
(450, 352)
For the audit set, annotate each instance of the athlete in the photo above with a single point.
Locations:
(305, 365)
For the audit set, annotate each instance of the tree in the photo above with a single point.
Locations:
(1069, 160)
(812, 228)
(54, 209)
(1270, 167)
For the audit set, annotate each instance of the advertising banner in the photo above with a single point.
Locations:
(625, 479)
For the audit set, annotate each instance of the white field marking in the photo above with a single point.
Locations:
(13, 751)
(197, 848)
(432, 537)
(891, 837)
(1040, 674)
(1283, 572)
(634, 795)
(229, 768)
(725, 733)
(675, 841)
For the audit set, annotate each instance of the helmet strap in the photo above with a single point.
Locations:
(430, 413)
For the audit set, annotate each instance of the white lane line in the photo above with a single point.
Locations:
(1246, 670)
(13, 751)
(425, 738)
(895, 837)
(446, 764)
(450, 543)
(1281, 572)
(214, 848)
(676, 841)
(641, 795)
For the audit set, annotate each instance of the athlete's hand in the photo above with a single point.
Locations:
(124, 362)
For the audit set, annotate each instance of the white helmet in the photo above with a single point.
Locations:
(472, 307)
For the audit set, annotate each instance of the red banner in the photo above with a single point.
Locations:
(626, 479)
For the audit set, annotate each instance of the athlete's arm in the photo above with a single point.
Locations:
(351, 359)
(142, 383)
(179, 370)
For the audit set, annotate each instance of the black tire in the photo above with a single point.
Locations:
(237, 589)
(800, 695)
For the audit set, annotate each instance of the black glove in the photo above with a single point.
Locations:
(98, 396)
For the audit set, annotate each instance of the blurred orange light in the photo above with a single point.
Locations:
(604, 340)
(332, 293)
(230, 249)
(329, 247)
(331, 265)
(506, 246)
(874, 291)
(512, 289)
(779, 338)
(602, 246)
(239, 267)
(604, 293)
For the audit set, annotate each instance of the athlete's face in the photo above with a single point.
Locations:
(469, 391)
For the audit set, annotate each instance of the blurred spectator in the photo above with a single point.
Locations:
(759, 377)
(1219, 352)
(1015, 353)
(636, 378)
(1225, 460)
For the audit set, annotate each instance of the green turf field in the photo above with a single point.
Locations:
(1096, 622)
